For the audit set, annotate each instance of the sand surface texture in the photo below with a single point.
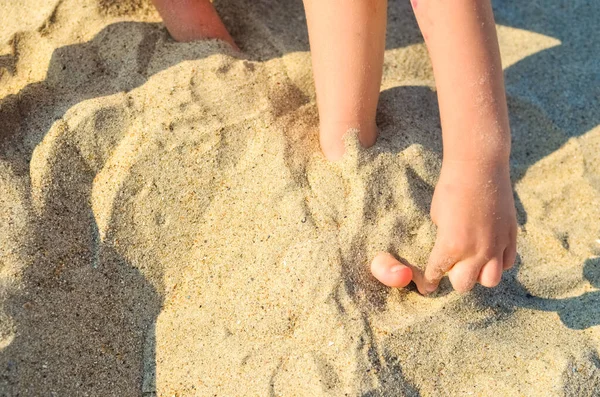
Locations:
(169, 227)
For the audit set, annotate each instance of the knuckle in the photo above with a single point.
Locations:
(455, 246)
(489, 253)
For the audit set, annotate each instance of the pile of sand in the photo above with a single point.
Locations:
(168, 225)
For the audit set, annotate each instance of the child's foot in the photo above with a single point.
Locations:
(189, 20)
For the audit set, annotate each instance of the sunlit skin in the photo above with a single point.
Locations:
(189, 20)
(472, 205)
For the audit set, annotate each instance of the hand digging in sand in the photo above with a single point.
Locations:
(473, 204)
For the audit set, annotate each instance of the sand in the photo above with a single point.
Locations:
(168, 226)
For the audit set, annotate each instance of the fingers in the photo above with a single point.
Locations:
(391, 272)
(510, 253)
(439, 263)
(464, 274)
(491, 272)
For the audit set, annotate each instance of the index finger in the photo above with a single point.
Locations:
(438, 265)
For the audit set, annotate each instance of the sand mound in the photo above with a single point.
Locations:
(168, 225)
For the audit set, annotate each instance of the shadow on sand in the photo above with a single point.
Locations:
(84, 316)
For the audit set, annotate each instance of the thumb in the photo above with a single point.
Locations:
(390, 271)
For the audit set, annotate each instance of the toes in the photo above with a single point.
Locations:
(491, 273)
(389, 271)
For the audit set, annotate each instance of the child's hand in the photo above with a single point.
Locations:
(473, 208)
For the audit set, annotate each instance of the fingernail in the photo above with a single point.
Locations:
(396, 268)
(430, 288)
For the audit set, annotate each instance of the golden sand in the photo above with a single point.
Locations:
(168, 225)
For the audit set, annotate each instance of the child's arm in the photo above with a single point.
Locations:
(347, 42)
(461, 39)
(473, 204)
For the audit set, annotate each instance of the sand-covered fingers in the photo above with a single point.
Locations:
(491, 273)
(440, 262)
(464, 273)
(466, 265)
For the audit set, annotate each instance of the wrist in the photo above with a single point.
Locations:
(481, 170)
(487, 151)
(495, 162)
(483, 138)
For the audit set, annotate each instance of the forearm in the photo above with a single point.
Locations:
(347, 42)
(462, 42)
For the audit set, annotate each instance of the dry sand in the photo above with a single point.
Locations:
(168, 225)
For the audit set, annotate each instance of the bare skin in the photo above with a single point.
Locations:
(347, 42)
(189, 20)
(472, 205)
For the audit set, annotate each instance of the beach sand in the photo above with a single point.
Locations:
(169, 227)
